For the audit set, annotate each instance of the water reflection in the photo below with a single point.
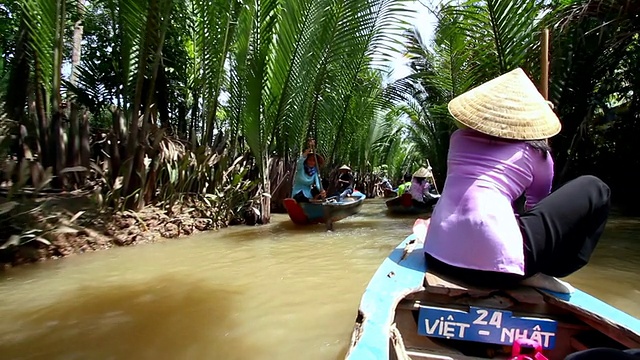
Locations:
(266, 292)
(612, 273)
(160, 318)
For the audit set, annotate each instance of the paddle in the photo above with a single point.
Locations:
(432, 177)
(312, 144)
(544, 68)
(544, 65)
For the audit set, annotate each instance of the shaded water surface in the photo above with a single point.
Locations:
(268, 292)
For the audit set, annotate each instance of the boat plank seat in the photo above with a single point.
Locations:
(445, 285)
(442, 284)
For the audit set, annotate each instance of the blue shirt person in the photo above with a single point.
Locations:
(306, 182)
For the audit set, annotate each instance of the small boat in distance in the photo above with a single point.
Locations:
(410, 312)
(390, 193)
(327, 211)
(404, 204)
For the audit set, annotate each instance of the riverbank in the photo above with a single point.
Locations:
(66, 227)
(71, 226)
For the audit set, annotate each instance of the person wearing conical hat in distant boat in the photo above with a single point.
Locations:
(420, 188)
(499, 153)
(345, 182)
(386, 183)
(306, 182)
(404, 187)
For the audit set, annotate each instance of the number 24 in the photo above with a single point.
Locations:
(496, 318)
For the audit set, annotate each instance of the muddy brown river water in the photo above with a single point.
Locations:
(266, 292)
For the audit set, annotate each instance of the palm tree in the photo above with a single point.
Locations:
(237, 78)
(474, 41)
(593, 42)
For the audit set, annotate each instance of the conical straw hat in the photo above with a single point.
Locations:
(344, 167)
(421, 173)
(508, 107)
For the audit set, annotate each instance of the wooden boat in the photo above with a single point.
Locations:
(404, 204)
(389, 193)
(327, 212)
(410, 312)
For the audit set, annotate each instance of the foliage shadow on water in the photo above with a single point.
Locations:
(168, 317)
(274, 231)
(392, 215)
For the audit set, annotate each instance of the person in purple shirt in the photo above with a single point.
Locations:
(499, 153)
(420, 189)
(419, 185)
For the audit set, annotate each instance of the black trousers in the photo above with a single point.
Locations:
(605, 354)
(300, 197)
(560, 233)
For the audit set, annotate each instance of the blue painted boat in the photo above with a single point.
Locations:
(327, 212)
(409, 312)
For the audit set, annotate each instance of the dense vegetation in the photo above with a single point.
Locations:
(207, 103)
(594, 54)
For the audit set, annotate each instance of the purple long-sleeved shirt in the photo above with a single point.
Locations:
(474, 225)
(418, 191)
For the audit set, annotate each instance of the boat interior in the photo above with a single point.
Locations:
(577, 328)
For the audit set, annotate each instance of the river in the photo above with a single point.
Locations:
(265, 292)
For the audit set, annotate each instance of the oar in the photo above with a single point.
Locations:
(432, 177)
(544, 68)
(544, 65)
(317, 166)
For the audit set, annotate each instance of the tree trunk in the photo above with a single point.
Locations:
(19, 75)
(183, 131)
(117, 144)
(265, 198)
(280, 173)
(85, 145)
(161, 90)
(58, 150)
(77, 42)
(73, 141)
(43, 121)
